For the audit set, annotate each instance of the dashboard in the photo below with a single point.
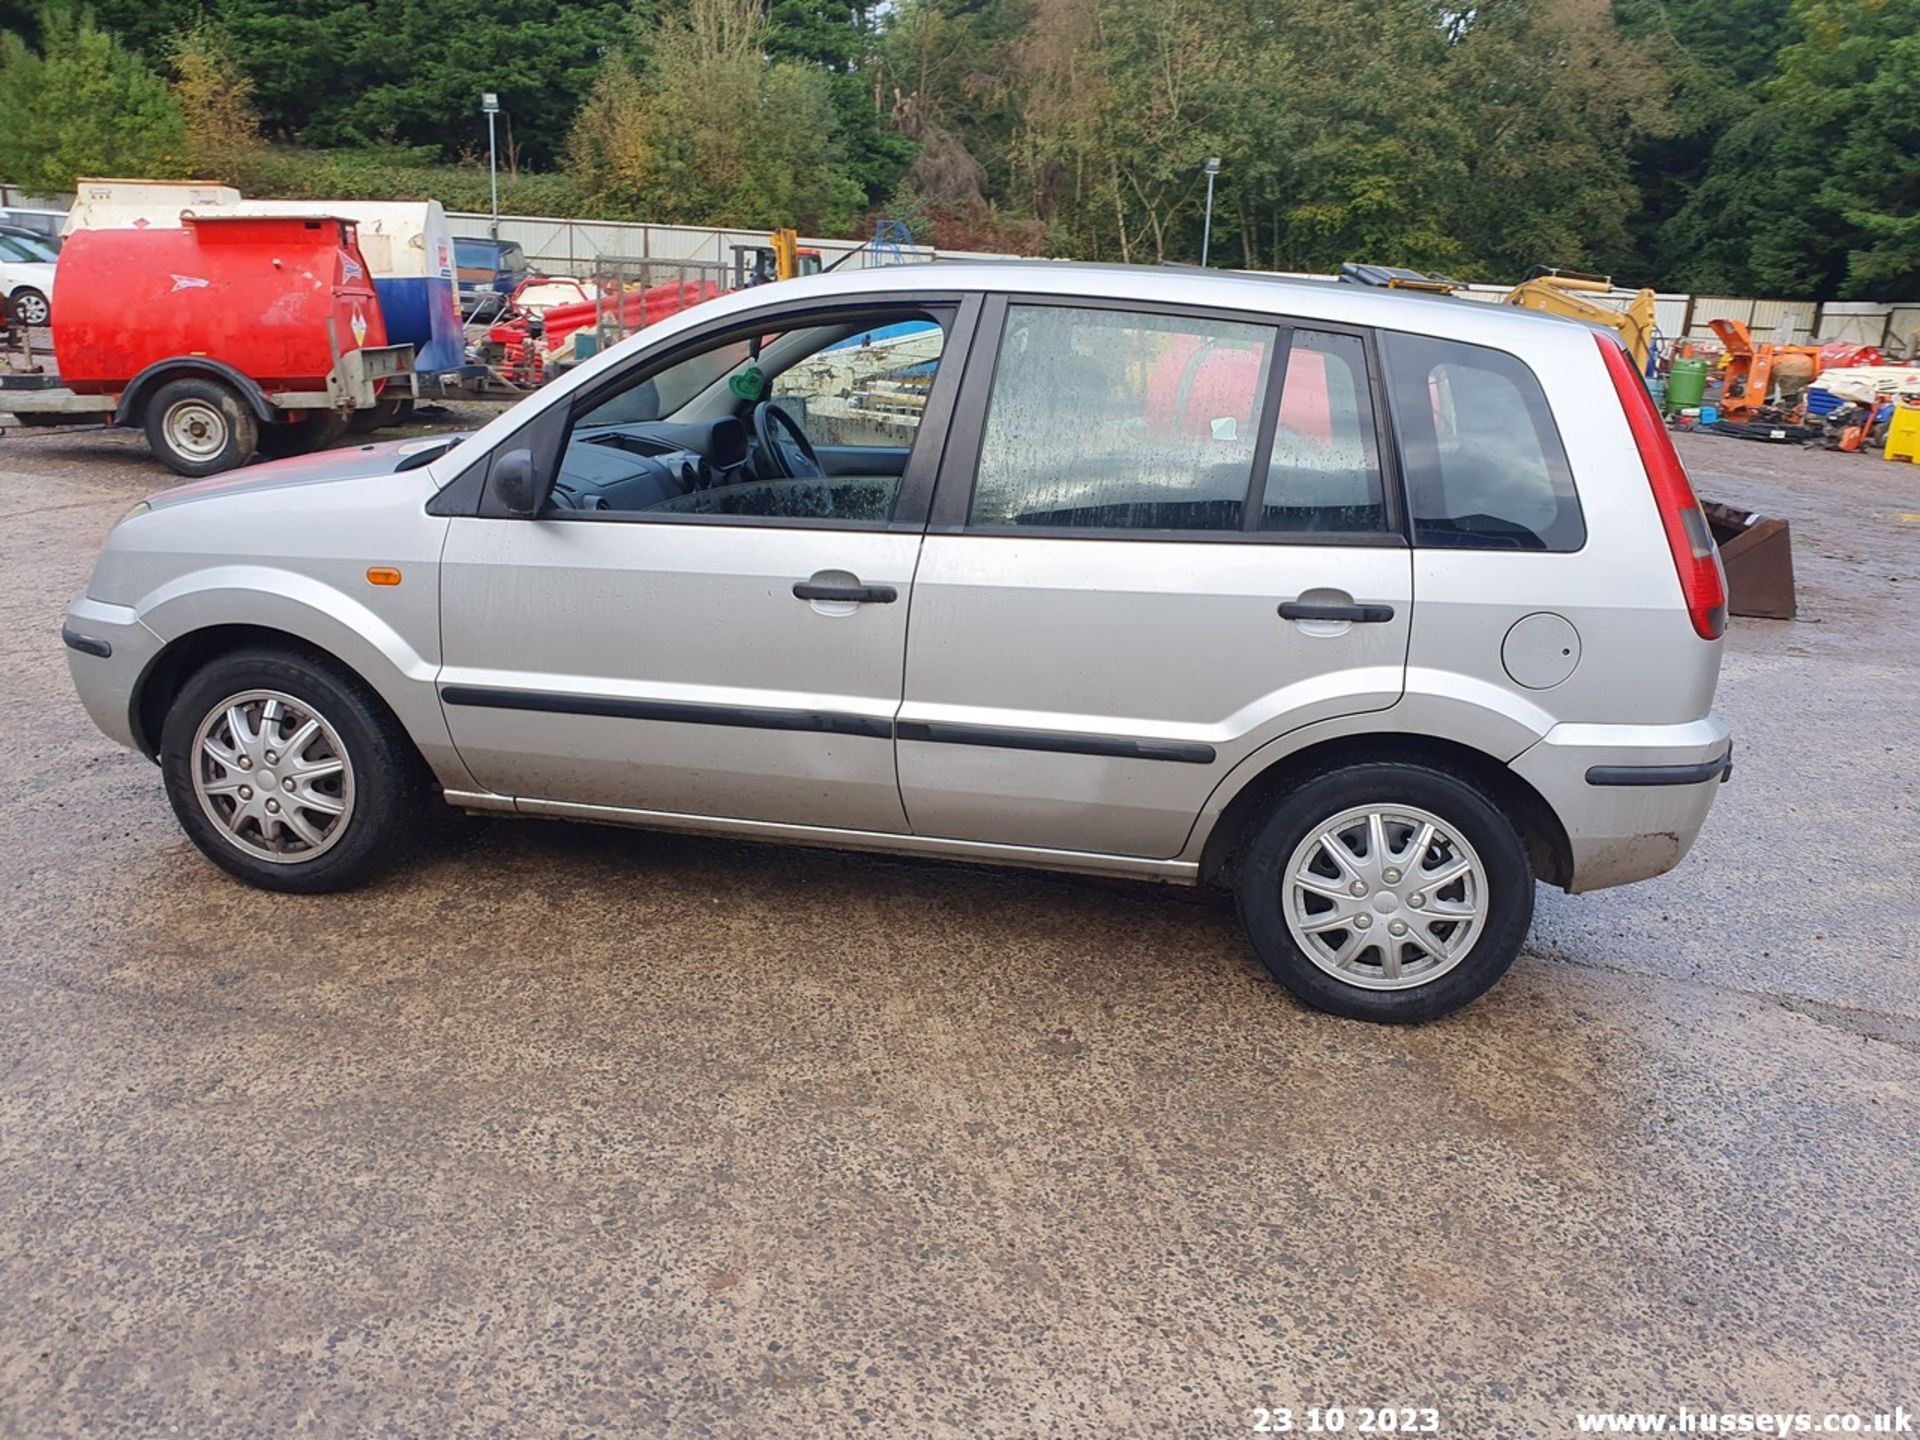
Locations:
(649, 465)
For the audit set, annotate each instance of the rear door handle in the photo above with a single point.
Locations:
(1317, 610)
(858, 594)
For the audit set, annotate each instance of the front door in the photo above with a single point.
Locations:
(702, 621)
(1170, 543)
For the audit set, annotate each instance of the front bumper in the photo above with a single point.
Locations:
(108, 650)
(1632, 798)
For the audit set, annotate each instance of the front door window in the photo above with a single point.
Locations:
(814, 423)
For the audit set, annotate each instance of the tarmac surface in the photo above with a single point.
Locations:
(568, 1131)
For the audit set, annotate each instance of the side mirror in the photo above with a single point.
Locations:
(513, 484)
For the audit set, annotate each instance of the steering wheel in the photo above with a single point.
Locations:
(793, 453)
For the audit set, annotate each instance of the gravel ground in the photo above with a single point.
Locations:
(567, 1131)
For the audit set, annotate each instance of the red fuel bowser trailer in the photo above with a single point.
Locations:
(230, 335)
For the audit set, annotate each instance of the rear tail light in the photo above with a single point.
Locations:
(1702, 581)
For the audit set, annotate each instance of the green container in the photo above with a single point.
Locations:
(1686, 384)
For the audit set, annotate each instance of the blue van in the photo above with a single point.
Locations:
(487, 271)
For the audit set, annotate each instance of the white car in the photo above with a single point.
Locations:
(26, 280)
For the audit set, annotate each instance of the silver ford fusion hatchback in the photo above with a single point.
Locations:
(1375, 607)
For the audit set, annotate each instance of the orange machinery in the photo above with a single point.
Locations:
(1756, 373)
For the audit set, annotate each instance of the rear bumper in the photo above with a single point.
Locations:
(108, 650)
(1632, 798)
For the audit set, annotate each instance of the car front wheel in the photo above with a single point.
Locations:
(289, 773)
(1386, 892)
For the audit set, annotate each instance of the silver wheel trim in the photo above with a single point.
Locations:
(31, 310)
(1385, 897)
(196, 429)
(273, 776)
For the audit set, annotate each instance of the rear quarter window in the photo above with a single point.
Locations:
(1483, 461)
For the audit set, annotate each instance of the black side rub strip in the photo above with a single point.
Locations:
(1662, 774)
(995, 737)
(828, 723)
(85, 644)
(743, 716)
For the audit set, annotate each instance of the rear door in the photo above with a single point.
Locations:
(1160, 540)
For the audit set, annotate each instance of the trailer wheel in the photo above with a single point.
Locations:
(200, 427)
(301, 437)
(383, 413)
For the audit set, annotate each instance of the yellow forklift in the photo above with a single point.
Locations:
(781, 258)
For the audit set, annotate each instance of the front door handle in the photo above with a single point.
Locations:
(857, 594)
(1318, 610)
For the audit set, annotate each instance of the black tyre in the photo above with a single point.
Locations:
(30, 307)
(289, 773)
(301, 437)
(396, 411)
(1386, 892)
(200, 427)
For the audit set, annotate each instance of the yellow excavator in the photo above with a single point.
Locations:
(1564, 292)
(1558, 292)
(1756, 549)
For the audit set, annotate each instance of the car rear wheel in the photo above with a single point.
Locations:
(200, 427)
(30, 307)
(289, 773)
(1386, 892)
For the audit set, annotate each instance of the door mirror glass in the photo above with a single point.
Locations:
(513, 483)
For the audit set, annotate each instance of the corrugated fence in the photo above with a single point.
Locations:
(563, 246)
(575, 247)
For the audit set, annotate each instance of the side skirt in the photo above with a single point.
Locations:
(1174, 872)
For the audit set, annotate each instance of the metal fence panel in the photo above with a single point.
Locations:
(572, 247)
(560, 245)
(14, 198)
(1788, 322)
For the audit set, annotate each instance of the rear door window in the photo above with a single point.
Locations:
(1324, 474)
(1483, 461)
(1121, 420)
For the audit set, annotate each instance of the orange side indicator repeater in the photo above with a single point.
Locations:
(382, 575)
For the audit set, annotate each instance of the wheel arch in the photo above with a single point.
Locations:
(181, 658)
(416, 716)
(133, 400)
(1545, 837)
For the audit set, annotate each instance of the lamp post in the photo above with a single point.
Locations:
(1206, 233)
(490, 107)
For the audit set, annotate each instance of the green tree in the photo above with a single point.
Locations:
(357, 72)
(840, 37)
(707, 131)
(1549, 99)
(81, 104)
(1854, 81)
(1815, 191)
(222, 129)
